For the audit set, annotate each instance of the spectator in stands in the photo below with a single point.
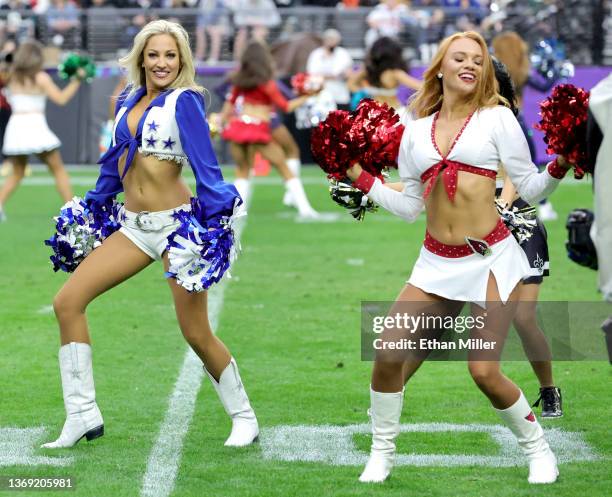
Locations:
(386, 19)
(139, 20)
(291, 54)
(316, 3)
(475, 4)
(17, 24)
(334, 63)
(63, 23)
(257, 16)
(15, 5)
(178, 4)
(98, 4)
(433, 24)
(212, 21)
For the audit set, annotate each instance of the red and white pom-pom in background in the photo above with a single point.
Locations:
(370, 135)
(305, 84)
(564, 123)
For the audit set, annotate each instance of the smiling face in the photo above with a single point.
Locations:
(462, 67)
(161, 61)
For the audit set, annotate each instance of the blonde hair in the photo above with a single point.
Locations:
(27, 62)
(429, 98)
(132, 62)
(512, 50)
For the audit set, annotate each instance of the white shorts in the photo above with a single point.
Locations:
(149, 231)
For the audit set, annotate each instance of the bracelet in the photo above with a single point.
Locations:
(364, 182)
(555, 170)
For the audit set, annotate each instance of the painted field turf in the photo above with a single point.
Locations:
(291, 317)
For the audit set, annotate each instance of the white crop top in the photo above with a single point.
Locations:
(492, 135)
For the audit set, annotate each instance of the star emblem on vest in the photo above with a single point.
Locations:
(169, 143)
(151, 141)
(153, 126)
(538, 263)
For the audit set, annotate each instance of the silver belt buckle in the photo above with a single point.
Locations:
(142, 223)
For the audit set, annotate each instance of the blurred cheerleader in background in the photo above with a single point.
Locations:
(513, 52)
(27, 131)
(536, 249)
(384, 71)
(248, 114)
(280, 135)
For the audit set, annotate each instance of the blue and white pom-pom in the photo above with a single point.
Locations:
(81, 227)
(199, 256)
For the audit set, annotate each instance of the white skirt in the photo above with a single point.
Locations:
(466, 278)
(28, 133)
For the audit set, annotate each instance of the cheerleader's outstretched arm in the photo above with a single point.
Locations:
(514, 154)
(404, 199)
(54, 93)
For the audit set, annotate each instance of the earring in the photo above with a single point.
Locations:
(439, 75)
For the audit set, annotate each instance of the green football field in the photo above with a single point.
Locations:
(291, 317)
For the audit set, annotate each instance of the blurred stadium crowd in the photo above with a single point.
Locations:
(220, 28)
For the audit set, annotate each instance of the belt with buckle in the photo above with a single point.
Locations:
(147, 221)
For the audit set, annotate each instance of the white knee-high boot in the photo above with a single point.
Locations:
(83, 418)
(234, 399)
(385, 411)
(296, 189)
(522, 422)
(295, 166)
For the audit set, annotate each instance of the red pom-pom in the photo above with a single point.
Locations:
(305, 84)
(329, 146)
(564, 122)
(375, 137)
(370, 135)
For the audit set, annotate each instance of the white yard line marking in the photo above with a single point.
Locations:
(334, 445)
(17, 446)
(45, 309)
(165, 457)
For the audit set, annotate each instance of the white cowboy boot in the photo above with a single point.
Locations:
(385, 410)
(522, 422)
(236, 403)
(83, 418)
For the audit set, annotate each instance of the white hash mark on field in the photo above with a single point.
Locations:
(335, 445)
(165, 457)
(17, 447)
(355, 262)
(45, 309)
